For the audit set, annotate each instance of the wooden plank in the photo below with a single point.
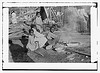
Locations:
(80, 51)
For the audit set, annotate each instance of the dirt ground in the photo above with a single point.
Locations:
(79, 54)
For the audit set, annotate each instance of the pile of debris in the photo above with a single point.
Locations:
(23, 18)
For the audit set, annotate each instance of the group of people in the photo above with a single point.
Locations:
(37, 38)
(40, 36)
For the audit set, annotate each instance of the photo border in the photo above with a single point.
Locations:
(45, 69)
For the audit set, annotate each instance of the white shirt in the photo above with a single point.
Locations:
(40, 38)
(39, 20)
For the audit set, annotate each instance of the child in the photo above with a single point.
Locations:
(39, 22)
(36, 41)
(31, 42)
(40, 38)
(14, 18)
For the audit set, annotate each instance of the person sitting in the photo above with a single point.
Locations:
(14, 17)
(40, 38)
(31, 41)
(18, 53)
(39, 22)
(36, 41)
(52, 39)
(24, 41)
